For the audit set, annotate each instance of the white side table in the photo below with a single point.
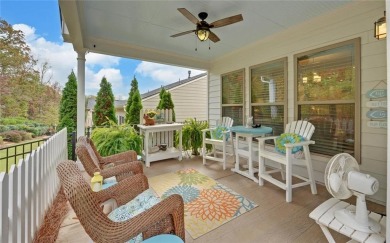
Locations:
(324, 217)
(171, 152)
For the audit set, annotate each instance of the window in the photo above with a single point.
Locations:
(328, 95)
(233, 96)
(268, 82)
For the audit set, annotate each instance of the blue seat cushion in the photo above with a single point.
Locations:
(217, 133)
(164, 238)
(288, 138)
(139, 204)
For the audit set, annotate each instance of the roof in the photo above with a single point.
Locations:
(91, 100)
(172, 85)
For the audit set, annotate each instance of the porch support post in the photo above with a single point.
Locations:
(81, 93)
(388, 129)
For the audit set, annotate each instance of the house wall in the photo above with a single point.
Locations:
(352, 21)
(190, 100)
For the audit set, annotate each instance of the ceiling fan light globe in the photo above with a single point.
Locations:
(202, 35)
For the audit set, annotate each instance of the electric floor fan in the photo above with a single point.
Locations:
(343, 179)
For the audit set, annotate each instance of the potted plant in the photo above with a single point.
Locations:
(192, 135)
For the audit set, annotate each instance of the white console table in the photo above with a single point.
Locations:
(159, 134)
(324, 217)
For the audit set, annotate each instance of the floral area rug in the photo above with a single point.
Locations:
(207, 203)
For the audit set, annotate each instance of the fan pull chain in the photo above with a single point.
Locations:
(196, 44)
(209, 44)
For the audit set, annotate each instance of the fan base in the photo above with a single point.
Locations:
(348, 218)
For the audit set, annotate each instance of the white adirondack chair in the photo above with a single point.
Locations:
(306, 130)
(219, 146)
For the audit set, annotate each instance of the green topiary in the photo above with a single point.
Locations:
(68, 105)
(116, 138)
(166, 102)
(133, 117)
(104, 109)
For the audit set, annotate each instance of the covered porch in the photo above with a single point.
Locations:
(270, 31)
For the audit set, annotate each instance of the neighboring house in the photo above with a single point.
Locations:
(189, 97)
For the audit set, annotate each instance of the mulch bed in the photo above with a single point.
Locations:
(48, 232)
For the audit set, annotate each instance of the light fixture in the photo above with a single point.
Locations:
(202, 34)
(380, 28)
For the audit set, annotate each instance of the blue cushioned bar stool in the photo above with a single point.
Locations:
(166, 238)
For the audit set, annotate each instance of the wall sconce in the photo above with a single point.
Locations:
(380, 28)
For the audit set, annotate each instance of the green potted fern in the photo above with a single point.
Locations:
(192, 135)
(116, 138)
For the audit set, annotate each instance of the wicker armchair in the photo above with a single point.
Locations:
(163, 218)
(121, 165)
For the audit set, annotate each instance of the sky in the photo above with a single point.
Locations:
(40, 22)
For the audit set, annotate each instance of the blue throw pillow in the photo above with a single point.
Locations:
(217, 133)
(288, 138)
(139, 204)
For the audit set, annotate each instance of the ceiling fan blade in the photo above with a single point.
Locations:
(226, 21)
(183, 33)
(213, 37)
(188, 15)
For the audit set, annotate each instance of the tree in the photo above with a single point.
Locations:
(16, 72)
(104, 109)
(26, 90)
(68, 105)
(68, 109)
(135, 108)
(133, 90)
(166, 102)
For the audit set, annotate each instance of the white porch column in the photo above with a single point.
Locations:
(388, 128)
(80, 93)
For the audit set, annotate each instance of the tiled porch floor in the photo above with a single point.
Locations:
(273, 220)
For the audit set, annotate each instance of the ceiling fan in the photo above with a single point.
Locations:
(202, 30)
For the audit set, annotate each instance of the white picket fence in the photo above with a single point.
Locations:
(29, 188)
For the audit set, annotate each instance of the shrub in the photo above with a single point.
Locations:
(12, 136)
(1, 140)
(13, 120)
(116, 138)
(4, 128)
(25, 135)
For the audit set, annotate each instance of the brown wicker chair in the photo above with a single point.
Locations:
(121, 165)
(163, 218)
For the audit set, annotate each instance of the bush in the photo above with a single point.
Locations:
(25, 135)
(116, 138)
(14, 120)
(4, 128)
(12, 136)
(1, 140)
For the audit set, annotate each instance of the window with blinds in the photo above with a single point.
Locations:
(268, 82)
(233, 95)
(327, 88)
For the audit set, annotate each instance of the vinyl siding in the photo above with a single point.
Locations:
(190, 100)
(352, 21)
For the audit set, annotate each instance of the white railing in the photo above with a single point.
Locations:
(29, 188)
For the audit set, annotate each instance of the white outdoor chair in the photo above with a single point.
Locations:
(221, 145)
(306, 130)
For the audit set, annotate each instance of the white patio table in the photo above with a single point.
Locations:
(247, 152)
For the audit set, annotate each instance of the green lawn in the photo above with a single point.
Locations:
(16, 150)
